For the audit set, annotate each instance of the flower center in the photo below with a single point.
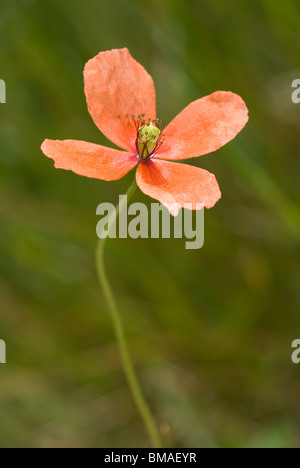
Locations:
(149, 136)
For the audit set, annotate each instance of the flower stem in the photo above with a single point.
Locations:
(135, 388)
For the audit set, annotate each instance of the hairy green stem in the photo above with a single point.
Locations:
(134, 386)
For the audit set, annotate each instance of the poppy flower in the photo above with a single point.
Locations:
(121, 99)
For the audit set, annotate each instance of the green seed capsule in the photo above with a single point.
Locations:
(147, 140)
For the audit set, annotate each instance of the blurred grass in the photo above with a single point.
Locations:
(210, 331)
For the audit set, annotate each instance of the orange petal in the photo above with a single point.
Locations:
(89, 160)
(175, 185)
(116, 87)
(204, 126)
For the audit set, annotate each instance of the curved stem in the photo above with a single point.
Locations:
(135, 388)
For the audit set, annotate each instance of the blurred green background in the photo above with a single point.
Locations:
(210, 331)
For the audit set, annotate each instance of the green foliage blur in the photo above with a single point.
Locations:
(210, 331)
